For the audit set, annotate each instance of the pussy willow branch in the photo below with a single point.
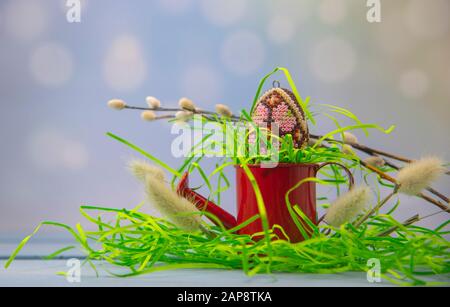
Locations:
(363, 148)
(385, 176)
(369, 150)
(374, 152)
(197, 111)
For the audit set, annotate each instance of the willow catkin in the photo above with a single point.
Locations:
(183, 116)
(148, 116)
(117, 104)
(348, 206)
(348, 150)
(375, 161)
(223, 110)
(350, 138)
(153, 102)
(420, 174)
(186, 104)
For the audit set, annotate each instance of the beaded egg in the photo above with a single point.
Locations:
(279, 106)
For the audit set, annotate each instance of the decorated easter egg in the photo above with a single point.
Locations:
(279, 106)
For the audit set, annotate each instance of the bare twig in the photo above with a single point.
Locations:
(435, 202)
(375, 209)
(406, 223)
(367, 149)
(412, 220)
(370, 151)
(374, 152)
(385, 176)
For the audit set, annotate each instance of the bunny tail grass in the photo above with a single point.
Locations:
(420, 174)
(177, 209)
(141, 170)
(348, 206)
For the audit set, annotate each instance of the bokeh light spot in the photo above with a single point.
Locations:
(332, 12)
(332, 60)
(428, 19)
(51, 64)
(392, 36)
(202, 84)
(25, 20)
(243, 52)
(281, 29)
(298, 10)
(414, 83)
(124, 66)
(175, 7)
(223, 13)
(50, 150)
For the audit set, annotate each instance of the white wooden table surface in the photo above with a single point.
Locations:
(29, 270)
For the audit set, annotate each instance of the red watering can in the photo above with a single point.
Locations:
(274, 183)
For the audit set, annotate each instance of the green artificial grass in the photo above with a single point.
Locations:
(145, 244)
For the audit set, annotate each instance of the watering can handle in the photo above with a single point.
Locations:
(351, 179)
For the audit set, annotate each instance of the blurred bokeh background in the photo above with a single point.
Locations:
(56, 77)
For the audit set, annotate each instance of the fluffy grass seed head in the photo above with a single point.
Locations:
(148, 116)
(348, 206)
(350, 138)
(174, 207)
(223, 110)
(141, 169)
(153, 102)
(177, 209)
(418, 175)
(117, 104)
(375, 161)
(186, 104)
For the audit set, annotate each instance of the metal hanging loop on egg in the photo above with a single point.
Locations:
(276, 84)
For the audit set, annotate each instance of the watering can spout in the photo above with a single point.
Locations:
(203, 204)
